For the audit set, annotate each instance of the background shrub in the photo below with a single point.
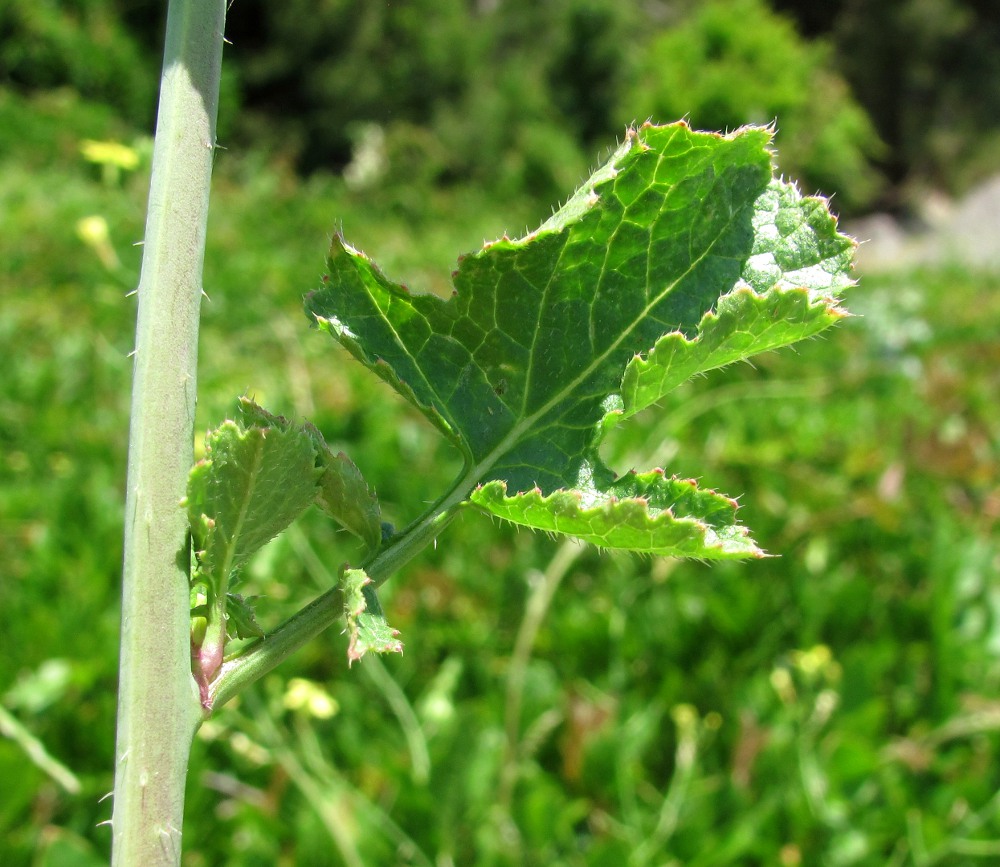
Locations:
(520, 96)
(732, 62)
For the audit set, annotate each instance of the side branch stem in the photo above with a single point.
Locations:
(263, 656)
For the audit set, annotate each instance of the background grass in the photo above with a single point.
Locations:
(834, 705)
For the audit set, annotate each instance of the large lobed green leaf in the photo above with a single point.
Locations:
(679, 255)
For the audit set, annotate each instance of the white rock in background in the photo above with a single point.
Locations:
(882, 243)
(972, 235)
(965, 232)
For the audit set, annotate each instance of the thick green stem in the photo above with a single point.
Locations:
(158, 705)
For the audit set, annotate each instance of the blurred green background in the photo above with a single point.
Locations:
(837, 705)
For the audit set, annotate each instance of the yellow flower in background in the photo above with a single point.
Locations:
(113, 157)
(110, 153)
(781, 681)
(302, 694)
(816, 662)
(93, 231)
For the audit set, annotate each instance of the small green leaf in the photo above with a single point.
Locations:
(681, 254)
(343, 493)
(252, 484)
(366, 625)
(345, 496)
(241, 618)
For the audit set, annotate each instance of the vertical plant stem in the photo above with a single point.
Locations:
(158, 706)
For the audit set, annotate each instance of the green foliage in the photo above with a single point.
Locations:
(924, 71)
(645, 512)
(345, 497)
(528, 118)
(834, 704)
(241, 618)
(416, 70)
(324, 69)
(734, 62)
(523, 370)
(260, 473)
(429, 75)
(78, 44)
(509, 79)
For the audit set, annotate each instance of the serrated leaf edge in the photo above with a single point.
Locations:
(722, 323)
(719, 541)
